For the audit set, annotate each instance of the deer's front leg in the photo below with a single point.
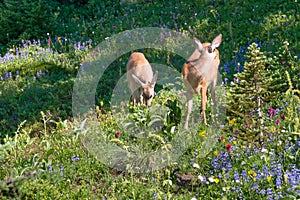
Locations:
(204, 100)
(188, 109)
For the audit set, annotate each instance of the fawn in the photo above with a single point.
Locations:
(141, 80)
(200, 71)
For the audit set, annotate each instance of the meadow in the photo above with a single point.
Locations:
(252, 150)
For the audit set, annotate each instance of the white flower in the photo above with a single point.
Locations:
(194, 198)
(170, 182)
(264, 150)
(196, 166)
(201, 178)
(211, 179)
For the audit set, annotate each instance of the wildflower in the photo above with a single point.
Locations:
(217, 180)
(250, 172)
(282, 116)
(75, 158)
(118, 133)
(232, 121)
(196, 165)
(194, 198)
(234, 142)
(192, 161)
(236, 130)
(277, 121)
(50, 168)
(271, 111)
(217, 153)
(211, 179)
(203, 133)
(154, 195)
(222, 138)
(201, 178)
(228, 147)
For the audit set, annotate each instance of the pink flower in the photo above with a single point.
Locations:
(282, 116)
(228, 147)
(182, 94)
(222, 138)
(272, 112)
(277, 121)
(118, 133)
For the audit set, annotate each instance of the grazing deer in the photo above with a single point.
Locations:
(199, 72)
(141, 80)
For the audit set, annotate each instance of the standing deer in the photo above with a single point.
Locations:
(141, 80)
(199, 72)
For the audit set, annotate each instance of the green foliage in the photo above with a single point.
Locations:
(24, 20)
(43, 156)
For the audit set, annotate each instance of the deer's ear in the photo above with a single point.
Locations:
(217, 41)
(137, 80)
(154, 79)
(198, 44)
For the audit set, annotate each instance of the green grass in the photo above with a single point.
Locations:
(45, 155)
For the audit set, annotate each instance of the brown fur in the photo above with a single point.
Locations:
(200, 71)
(143, 89)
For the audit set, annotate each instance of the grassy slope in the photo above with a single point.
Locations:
(64, 169)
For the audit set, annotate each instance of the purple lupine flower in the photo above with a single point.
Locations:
(50, 168)
(192, 161)
(75, 158)
(154, 196)
(61, 170)
(6, 76)
(270, 193)
(236, 177)
(278, 182)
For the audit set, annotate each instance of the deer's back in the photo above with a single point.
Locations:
(139, 66)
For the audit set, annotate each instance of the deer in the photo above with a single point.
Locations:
(141, 79)
(200, 71)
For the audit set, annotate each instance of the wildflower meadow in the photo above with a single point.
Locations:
(68, 127)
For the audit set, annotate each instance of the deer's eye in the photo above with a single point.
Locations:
(209, 49)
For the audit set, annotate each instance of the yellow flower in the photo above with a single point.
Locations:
(76, 67)
(234, 142)
(269, 178)
(232, 121)
(202, 133)
(217, 180)
(227, 93)
(254, 174)
(285, 176)
(250, 172)
(217, 153)
(273, 128)
(254, 179)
